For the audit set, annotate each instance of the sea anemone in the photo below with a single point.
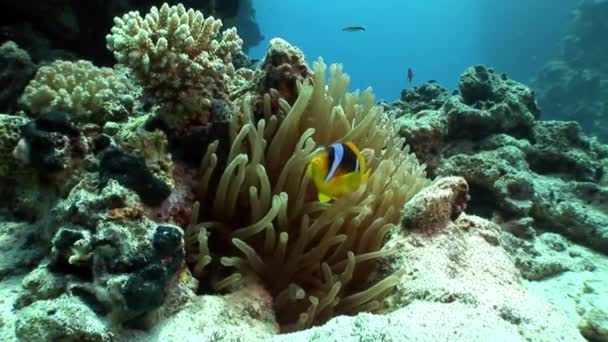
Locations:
(261, 220)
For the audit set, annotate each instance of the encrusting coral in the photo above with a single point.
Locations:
(315, 259)
(176, 56)
(91, 94)
(10, 134)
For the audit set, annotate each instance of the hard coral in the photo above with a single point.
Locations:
(89, 93)
(283, 67)
(315, 259)
(175, 54)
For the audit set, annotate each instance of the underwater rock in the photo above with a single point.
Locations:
(133, 173)
(105, 253)
(65, 318)
(490, 104)
(40, 284)
(145, 289)
(49, 142)
(245, 315)
(20, 247)
(547, 255)
(16, 70)
(427, 96)
(436, 205)
(560, 147)
(426, 132)
(506, 188)
(282, 68)
(139, 138)
(190, 144)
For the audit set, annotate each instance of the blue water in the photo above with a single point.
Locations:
(438, 39)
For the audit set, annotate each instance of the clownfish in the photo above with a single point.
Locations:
(338, 170)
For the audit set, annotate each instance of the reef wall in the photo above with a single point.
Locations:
(574, 86)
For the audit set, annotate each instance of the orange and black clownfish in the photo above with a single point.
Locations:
(338, 170)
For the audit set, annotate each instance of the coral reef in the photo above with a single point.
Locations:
(176, 204)
(573, 86)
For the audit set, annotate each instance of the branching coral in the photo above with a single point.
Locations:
(316, 259)
(175, 54)
(89, 93)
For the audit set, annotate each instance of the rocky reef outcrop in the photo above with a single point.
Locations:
(574, 85)
(543, 182)
(531, 175)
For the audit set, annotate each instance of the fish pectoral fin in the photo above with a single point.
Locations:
(323, 198)
(310, 172)
(351, 182)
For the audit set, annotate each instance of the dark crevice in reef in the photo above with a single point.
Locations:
(481, 202)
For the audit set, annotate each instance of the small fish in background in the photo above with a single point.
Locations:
(338, 170)
(410, 76)
(353, 29)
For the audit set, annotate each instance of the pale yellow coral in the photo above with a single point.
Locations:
(177, 54)
(88, 93)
